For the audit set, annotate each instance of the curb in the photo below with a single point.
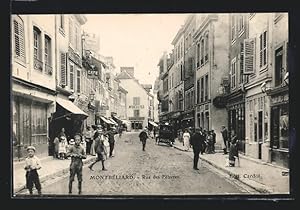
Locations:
(250, 183)
(57, 173)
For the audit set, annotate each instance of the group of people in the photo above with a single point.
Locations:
(208, 140)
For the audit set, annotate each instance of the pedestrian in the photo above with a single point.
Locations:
(62, 147)
(214, 141)
(203, 140)
(88, 138)
(143, 137)
(77, 153)
(32, 164)
(100, 150)
(56, 145)
(111, 140)
(224, 133)
(197, 146)
(120, 131)
(209, 142)
(186, 139)
(233, 150)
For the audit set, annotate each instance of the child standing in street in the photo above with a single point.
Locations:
(32, 164)
(77, 153)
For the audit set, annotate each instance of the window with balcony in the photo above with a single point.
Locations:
(48, 57)
(19, 43)
(37, 49)
(263, 50)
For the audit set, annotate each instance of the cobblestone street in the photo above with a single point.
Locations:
(160, 170)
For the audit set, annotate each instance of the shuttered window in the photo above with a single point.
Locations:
(263, 49)
(19, 45)
(63, 69)
(78, 80)
(71, 77)
(249, 45)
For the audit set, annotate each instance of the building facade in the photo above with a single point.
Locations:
(212, 69)
(238, 27)
(33, 81)
(188, 116)
(137, 98)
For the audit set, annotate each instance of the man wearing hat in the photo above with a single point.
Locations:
(32, 164)
(196, 142)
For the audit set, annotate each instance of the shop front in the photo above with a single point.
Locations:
(67, 116)
(279, 145)
(188, 119)
(137, 123)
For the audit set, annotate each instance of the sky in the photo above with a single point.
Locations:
(137, 40)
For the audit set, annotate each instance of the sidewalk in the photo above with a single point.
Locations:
(263, 177)
(50, 168)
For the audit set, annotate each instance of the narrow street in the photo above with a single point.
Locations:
(160, 170)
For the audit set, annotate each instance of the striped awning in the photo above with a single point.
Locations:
(153, 123)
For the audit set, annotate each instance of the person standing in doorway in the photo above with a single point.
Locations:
(143, 137)
(224, 133)
(186, 139)
(197, 145)
(77, 153)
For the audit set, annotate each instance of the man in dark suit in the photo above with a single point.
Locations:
(196, 142)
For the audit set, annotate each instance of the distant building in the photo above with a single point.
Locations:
(138, 99)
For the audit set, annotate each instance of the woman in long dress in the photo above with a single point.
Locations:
(186, 140)
(233, 150)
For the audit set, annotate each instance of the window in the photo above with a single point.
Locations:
(136, 100)
(263, 49)
(241, 23)
(78, 80)
(71, 76)
(71, 36)
(37, 49)
(233, 73)
(19, 43)
(202, 90)
(198, 91)
(136, 113)
(198, 55)
(233, 24)
(249, 56)
(63, 69)
(279, 70)
(48, 65)
(206, 87)
(76, 38)
(202, 52)
(206, 48)
(241, 62)
(62, 22)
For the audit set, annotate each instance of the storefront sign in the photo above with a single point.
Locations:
(137, 118)
(74, 57)
(136, 107)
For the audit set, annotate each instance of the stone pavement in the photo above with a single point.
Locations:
(261, 176)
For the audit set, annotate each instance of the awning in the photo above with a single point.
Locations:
(153, 123)
(126, 122)
(117, 119)
(68, 105)
(114, 122)
(106, 120)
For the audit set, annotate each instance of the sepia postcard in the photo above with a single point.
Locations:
(186, 104)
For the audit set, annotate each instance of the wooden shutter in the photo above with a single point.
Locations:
(19, 40)
(249, 45)
(63, 69)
